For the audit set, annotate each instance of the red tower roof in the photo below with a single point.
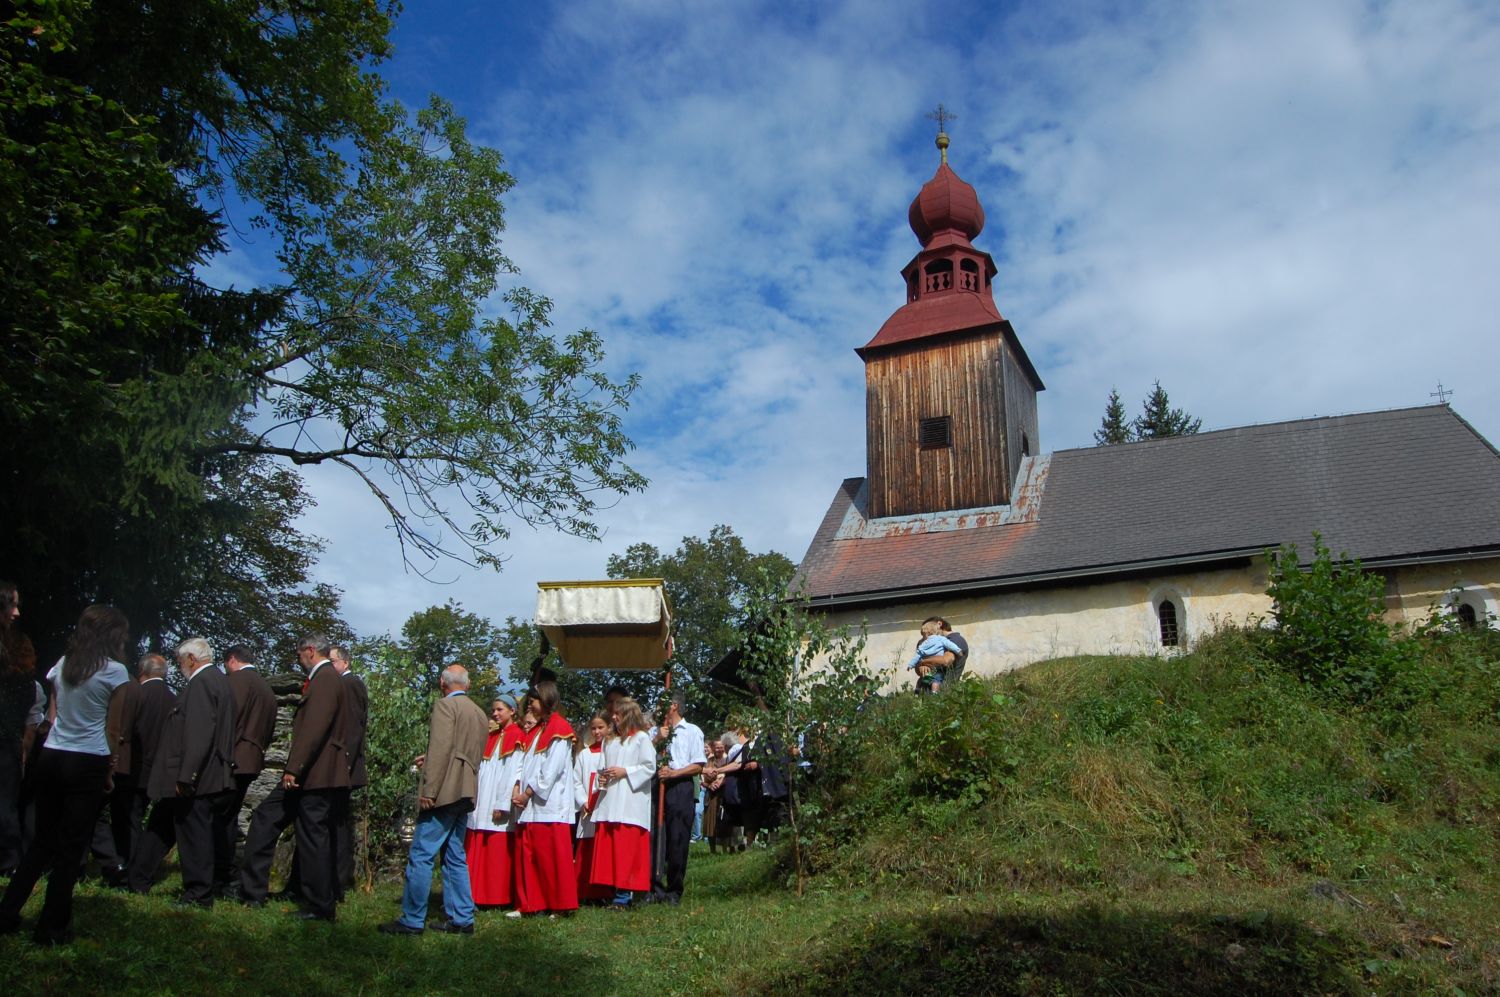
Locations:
(945, 206)
(948, 281)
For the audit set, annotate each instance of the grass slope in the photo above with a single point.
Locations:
(1136, 826)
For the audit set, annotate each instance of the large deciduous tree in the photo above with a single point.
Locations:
(438, 636)
(708, 581)
(140, 141)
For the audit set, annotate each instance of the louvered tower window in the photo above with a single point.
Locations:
(935, 434)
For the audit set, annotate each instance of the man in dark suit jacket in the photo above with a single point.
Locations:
(254, 726)
(356, 722)
(157, 700)
(192, 776)
(314, 782)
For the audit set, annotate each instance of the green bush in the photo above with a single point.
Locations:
(399, 720)
(1330, 626)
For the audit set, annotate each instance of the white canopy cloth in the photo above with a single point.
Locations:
(618, 624)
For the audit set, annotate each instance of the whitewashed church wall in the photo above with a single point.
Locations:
(1413, 593)
(1010, 629)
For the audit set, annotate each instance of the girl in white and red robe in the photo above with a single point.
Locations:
(545, 799)
(526, 732)
(586, 795)
(622, 816)
(487, 841)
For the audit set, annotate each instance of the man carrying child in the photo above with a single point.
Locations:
(934, 655)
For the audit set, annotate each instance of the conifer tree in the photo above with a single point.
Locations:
(1113, 428)
(1158, 419)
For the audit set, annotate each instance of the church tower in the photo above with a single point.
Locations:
(950, 395)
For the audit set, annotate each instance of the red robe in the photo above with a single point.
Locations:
(488, 852)
(583, 855)
(548, 879)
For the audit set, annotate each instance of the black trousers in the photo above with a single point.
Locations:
(310, 812)
(152, 842)
(343, 846)
(10, 802)
(226, 869)
(114, 837)
(198, 822)
(677, 833)
(69, 792)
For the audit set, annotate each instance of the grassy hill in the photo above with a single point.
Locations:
(1199, 824)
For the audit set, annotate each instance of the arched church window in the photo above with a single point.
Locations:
(969, 276)
(939, 275)
(1025, 446)
(1166, 618)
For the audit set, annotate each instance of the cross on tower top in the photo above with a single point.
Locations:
(942, 116)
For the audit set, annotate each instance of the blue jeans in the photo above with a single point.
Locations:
(438, 832)
(698, 818)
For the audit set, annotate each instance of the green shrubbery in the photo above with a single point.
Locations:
(1220, 764)
(1330, 627)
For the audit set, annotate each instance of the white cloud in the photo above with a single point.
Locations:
(1278, 209)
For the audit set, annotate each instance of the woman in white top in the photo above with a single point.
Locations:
(487, 843)
(73, 773)
(545, 799)
(622, 817)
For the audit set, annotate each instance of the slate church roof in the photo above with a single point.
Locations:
(1389, 488)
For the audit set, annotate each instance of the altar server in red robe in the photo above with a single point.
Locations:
(622, 816)
(586, 793)
(545, 798)
(487, 840)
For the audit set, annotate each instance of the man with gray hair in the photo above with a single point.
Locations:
(445, 795)
(191, 778)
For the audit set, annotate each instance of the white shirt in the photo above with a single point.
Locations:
(586, 765)
(549, 776)
(81, 709)
(686, 746)
(492, 782)
(628, 800)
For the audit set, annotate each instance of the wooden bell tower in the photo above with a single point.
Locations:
(950, 395)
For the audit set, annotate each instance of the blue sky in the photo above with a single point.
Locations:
(1278, 209)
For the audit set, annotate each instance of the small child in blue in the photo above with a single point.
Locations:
(932, 643)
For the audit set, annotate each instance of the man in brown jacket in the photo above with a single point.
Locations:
(192, 776)
(254, 726)
(445, 795)
(314, 782)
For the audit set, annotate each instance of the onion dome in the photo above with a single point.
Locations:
(945, 204)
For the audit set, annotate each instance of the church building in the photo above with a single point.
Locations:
(1127, 549)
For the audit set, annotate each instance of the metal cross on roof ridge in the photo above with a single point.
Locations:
(1441, 394)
